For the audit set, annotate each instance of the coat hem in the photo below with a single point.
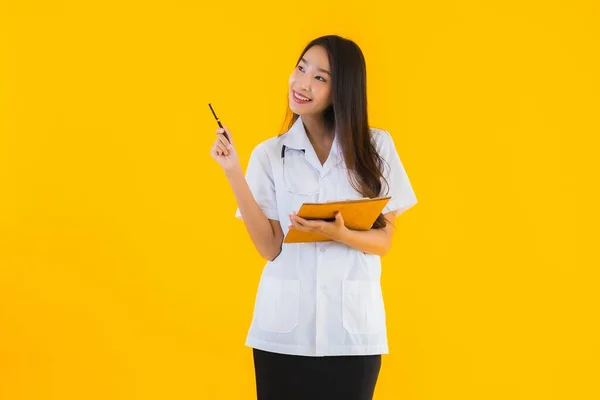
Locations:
(317, 351)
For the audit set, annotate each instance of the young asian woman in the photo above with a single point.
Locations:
(319, 324)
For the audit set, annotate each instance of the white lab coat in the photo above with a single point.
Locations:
(318, 299)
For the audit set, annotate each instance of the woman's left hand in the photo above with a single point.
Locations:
(333, 230)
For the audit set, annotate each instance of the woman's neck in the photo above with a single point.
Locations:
(318, 134)
(316, 129)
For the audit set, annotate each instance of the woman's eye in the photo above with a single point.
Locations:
(322, 80)
(300, 67)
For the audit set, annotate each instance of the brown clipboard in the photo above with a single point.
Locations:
(358, 214)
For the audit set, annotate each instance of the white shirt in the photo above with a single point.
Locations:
(325, 298)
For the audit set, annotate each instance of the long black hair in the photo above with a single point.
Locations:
(348, 115)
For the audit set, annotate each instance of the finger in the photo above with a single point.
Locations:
(309, 226)
(221, 145)
(305, 222)
(295, 218)
(228, 133)
(219, 150)
(222, 149)
(291, 225)
(296, 225)
(223, 132)
(221, 139)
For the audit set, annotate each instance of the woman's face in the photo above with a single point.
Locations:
(311, 79)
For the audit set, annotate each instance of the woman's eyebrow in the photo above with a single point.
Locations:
(320, 69)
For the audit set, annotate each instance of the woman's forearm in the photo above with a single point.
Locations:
(373, 241)
(258, 226)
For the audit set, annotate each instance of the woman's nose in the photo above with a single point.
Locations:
(305, 83)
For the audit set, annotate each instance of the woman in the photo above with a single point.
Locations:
(318, 330)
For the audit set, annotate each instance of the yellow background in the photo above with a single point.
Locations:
(124, 274)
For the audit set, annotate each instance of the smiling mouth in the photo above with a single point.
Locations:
(299, 98)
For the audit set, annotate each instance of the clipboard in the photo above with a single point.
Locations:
(358, 214)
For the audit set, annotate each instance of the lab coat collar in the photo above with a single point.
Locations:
(296, 138)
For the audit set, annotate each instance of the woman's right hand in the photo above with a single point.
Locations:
(224, 152)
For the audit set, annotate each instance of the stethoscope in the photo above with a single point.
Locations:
(283, 149)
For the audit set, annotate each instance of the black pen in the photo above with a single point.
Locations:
(219, 122)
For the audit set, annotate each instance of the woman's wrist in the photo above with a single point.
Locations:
(234, 171)
(342, 235)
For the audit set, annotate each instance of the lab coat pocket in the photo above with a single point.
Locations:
(278, 303)
(362, 307)
(299, 177)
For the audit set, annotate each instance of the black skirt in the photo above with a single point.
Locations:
(290, 377)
